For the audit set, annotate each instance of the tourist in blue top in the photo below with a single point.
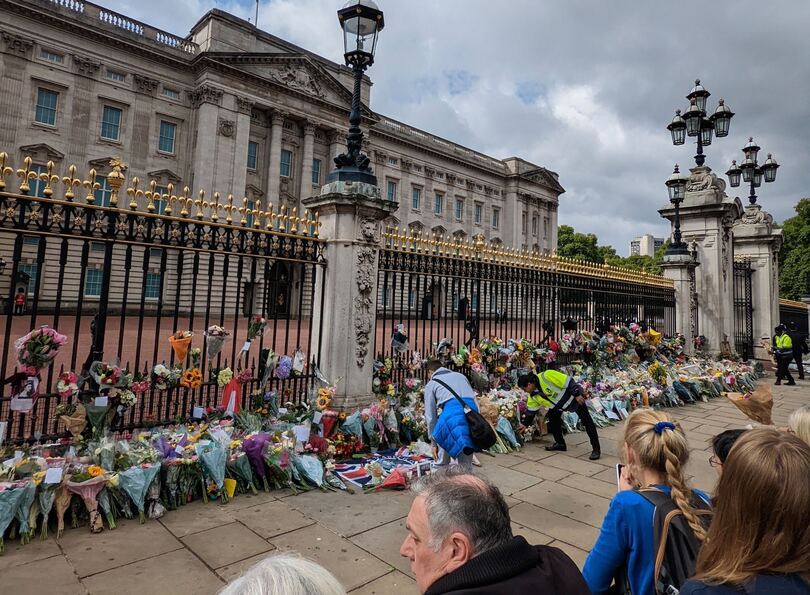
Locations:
(759, 540)
(656, 451)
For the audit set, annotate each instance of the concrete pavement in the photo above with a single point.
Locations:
(555, 498)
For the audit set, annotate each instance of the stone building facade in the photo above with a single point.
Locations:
(233, 109)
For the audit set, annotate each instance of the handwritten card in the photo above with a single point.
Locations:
(301, 433)
(54, 475)
(246, 346)
(101, 401)
(198, 413)
(316, 417)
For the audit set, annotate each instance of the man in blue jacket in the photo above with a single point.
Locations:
(446, 423)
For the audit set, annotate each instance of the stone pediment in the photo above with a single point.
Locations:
(42, 150)
(254, 190)
(295, 72)
(543, 176)
(101, 163)
(168, 174)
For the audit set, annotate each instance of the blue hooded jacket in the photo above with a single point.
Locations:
(451, 431)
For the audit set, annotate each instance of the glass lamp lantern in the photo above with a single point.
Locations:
(676, 185)
(361, 21)
(706, 130)
(748, 168)
(694, 119)
(699, 94)
(757, 177)
(678, 129)
(769, 168)
(733, 174)
(751, 149)
(721, 118)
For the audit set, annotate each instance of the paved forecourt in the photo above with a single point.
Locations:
(555, 498)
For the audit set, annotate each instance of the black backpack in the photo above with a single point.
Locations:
(676, 546)
(481, 433)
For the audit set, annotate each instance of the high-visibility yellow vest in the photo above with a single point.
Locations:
(552, 385)
(784, 342)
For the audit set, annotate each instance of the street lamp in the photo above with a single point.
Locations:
(696, 124)
(752, 173)
(361, 21)
(676, 185)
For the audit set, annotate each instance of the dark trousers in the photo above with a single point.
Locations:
(797, 355)
(782, 371)
(19, 309)
(555, 425)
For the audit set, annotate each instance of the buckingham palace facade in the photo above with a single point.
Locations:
(233, 109)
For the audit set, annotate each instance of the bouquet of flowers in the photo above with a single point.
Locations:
(68, 385)
(140, 383)
(224, 376)
(284, 367)
(180, 342)
(164, 377)
(213, 459)
(127, 398)
(107, 375)
(135, 482)
(38, 349)
(87, 484)
(255, 329)
(192, 378)
(214, 340)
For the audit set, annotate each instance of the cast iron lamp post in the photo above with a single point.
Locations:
(694, 122)
(676, 185)
(361, 21)
(751, 171)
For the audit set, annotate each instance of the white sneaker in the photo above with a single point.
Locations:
(475, 461)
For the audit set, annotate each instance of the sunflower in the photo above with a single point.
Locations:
(323, 400)
(192, 378)
(342, 416)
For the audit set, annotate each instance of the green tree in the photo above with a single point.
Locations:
(585, 246)
(794, 258)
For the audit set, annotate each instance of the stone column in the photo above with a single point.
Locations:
(274, 171)
(351, 215)
(206, 100)
(707, 215)
(757, 240)
(337, 145)
(306, 161)
(679, 268)
(243, 108)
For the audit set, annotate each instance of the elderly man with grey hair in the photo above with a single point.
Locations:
(460, 541)
(285, 574)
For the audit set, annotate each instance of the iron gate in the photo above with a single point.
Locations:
(743, 310)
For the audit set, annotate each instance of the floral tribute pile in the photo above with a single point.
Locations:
(98, 476)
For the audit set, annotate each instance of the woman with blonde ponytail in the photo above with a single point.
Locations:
(655, 451)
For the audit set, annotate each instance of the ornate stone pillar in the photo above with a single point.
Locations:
(306, 161)
(274, 171)
(351, 215)
(205, 99)
(757, 240)
(337, 144)
(707, 215)
(243, 109)
(681, 268)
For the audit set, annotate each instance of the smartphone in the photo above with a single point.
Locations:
(619, 468)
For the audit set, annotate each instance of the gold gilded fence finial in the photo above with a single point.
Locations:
(25, 175)
(244, 211)
(317, 233)
(135, 193)
(305, 222)
(116, 179)
(258, 214)
(5, 170)
(271, 215)
(185, 201)
(200, 203)
(215, 207)
(70, 183)
(150, 196)
(294, 219)
(49, 178)
(91, 185)
(229, 209)
(170, 199)
(282, 218)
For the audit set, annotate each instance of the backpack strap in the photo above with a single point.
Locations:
(464, 405)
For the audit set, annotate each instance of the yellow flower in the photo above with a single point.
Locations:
(95, 470)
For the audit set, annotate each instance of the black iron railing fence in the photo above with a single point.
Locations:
(119, 269)
(466, 292)
(743, 309)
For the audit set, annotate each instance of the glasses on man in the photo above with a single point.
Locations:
(714, 461)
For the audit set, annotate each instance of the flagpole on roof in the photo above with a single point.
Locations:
(256, 22)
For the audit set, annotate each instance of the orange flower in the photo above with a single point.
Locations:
(95, 470)
(192, 378)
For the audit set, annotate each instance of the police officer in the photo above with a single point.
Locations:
(558, 392)
(784, 355)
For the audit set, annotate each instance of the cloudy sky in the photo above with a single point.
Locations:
(582, 87)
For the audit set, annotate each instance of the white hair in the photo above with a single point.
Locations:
(285, 574)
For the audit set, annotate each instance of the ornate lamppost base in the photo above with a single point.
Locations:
(352, 174)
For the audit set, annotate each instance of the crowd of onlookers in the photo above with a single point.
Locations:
(752, 537)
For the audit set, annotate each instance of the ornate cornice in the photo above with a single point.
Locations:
(86, 66)
(17, 44)
(50, 152)
(277, 117)
(244, 105)
(309, 128)
(205, 94)
(144, 84)
(169, 175)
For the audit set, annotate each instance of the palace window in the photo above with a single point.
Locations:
(459, 209)
(496, 218)
(32, 270)
(253, 155)
(534, 224)
(525, 222)
(92, 283)
(316, 171)
(160, 204)
(168, 132)
(51, 57)
(170, 93)
(479, 211)
(46, 106)
(151, 290)
(286, 163)
(392, 190)
(438, 204)
(104, 192)
(36, 187)
(416, 198)
(111, 123)
(118, 77)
